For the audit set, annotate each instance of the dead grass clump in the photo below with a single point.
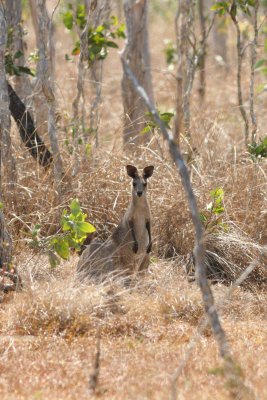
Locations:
(229, 253)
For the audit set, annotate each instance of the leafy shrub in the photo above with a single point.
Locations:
(74, 231)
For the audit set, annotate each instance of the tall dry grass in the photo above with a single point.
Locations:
(48, 331)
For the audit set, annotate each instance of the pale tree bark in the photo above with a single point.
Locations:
(6, 146)
(5, 239)
(99, 16)
(80, 96)
(14, 22)
(191, 55)
(186, 47)
(240, 53)
(45, 81)
(253, 50)
(202, 55)
(39, 102)
(136, 52)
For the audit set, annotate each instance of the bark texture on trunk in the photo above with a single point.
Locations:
(28, 133)
(14, 22)
(45, 78)
(136, 53)
(6, 148)
(5, 240)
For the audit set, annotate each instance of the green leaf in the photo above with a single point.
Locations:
(18, 54)
(1, 206)
(86, 227)
(112, 44)
(26, 70)
(68, 19)
(75, 207)
(62, 248)
(145, 130)
(259, 64)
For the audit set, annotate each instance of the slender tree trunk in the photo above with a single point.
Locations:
(184, 22)
(28, 133)
(202, 55)
(239, 49)
(6, 147)
(5, 240)
(14, 22)
(40, 104)
(46, 82)
(100, 16)
(136, 52)
(253, 51)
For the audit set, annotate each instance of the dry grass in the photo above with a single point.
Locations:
(48, 332)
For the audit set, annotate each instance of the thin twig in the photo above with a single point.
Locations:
(94, 377)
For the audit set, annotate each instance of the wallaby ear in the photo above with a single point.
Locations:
(148, 171)
(131, 171)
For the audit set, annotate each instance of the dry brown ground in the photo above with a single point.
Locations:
(48, 332)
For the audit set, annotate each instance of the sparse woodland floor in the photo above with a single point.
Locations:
(49, 330)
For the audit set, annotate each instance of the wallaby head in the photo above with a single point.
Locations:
(139, 182)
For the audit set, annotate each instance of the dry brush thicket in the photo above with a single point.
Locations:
(49, 329)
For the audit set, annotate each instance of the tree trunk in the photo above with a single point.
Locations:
(99, 16)
(136, 52)
(46, 82)
(202, 55)
(184, 22)
(14, 22)
(40, 104)
(28, 133)
(6, 148)
(5, 240)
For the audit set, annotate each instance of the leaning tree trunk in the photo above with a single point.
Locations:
(46, 82)
(136, 52)
(14, 22)
(28, 133)
(6, 148)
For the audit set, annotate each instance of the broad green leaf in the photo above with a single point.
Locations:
(68, 19)
(75, 207)
(112, 44)
(85, 227)
(62, 249)
(259, 63)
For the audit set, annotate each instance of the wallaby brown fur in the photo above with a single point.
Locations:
(126, 251)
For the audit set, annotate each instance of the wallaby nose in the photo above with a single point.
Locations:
(139, 194)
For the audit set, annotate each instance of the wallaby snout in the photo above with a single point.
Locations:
(139, 194)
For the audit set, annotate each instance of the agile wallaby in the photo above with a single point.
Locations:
(126, 250)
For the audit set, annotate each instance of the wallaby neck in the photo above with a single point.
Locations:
(139, 201)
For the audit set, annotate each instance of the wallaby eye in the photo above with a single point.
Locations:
(134, 184)
(145, 183)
